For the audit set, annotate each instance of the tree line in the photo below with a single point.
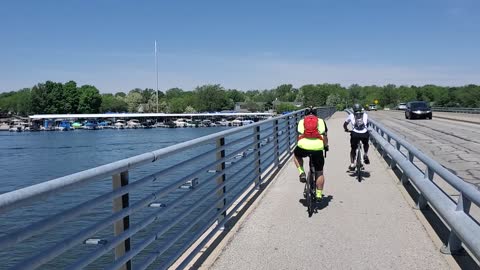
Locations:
(55, 97)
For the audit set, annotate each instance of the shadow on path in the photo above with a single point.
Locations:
(324, 202)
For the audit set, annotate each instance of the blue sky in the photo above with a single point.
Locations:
(239, 44)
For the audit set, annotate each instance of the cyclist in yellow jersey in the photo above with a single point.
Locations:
(314, 145)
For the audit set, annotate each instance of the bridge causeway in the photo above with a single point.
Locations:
(366, 225)
(232, 215)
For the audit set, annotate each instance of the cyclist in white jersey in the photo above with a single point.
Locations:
(358, 120)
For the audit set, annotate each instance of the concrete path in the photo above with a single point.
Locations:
(366, 225)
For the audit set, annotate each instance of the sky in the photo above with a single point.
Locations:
(239, 44)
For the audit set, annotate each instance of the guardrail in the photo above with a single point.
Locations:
(456, 110)
(463, 228)
(156, 215)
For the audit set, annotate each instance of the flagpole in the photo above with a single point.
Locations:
(156, 72)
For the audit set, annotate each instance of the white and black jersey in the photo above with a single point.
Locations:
(359, 122)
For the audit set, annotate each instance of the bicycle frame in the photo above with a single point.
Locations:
(310, 187)
(359, 161)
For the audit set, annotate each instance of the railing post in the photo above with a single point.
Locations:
(258, 169)
(454, 244)
(275, 143)
(119, 203)
(410, 156)
(422, 201)
(221, 179)
(289, 133)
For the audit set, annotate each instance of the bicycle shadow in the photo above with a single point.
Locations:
(364, 174)
(323, 203)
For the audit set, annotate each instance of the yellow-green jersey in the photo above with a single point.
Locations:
(314, 144)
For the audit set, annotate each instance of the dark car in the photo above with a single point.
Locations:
(418, 109)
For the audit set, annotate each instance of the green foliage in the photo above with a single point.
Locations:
(54, 97)
(235, 95)
(209, 98)
(316, 95)
(177, 105)
(252, 106)
(285, 107)
(133, 100)
(111, 103)
(173, 93)
(190, 109)
(90, 99)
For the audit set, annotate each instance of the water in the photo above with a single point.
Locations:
(31, 158)
(34, 157)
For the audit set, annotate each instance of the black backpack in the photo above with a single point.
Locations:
(358, 124)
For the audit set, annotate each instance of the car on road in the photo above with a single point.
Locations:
(418, 109)
(402, 106)
(372, 107)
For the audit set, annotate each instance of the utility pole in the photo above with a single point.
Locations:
(156, 72)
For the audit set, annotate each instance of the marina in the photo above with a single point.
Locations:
(68, 122)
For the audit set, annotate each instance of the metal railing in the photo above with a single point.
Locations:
(157, 213)
(463, 227)
(456, 110)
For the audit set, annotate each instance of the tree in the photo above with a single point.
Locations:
(111, 103)
(210, 98)
(335, 100)
(90, 99)
(177, 105)
(71, 97)
(285, 92)
(285, 107)
(252, 106)
(174, 93)
(190, 109)
(120, 94)
(133, 100)
(235, 95)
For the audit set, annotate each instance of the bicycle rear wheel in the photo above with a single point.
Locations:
(359, 165)
(310, 196)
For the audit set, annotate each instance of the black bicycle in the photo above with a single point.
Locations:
(309, 190)
(358, 160)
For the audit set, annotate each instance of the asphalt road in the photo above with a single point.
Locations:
(454, 144)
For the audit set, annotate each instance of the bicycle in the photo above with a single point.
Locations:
(309, 190)
(358, 160)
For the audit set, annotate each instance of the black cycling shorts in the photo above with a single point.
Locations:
(317, 157)
(355, 138)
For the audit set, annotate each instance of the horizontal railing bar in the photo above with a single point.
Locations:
(208, 225)
(467, 189)
(12, 199)
(165, 247)
(82, 262)
(35, 228)
(165, 227)
(69, 243)
(279, 133)
(125, 258)
(460, 222)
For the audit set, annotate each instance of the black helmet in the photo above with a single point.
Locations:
(357, 108)
(310, 110)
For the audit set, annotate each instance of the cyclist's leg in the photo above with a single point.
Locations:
(354, 141)
(318, 162)
(365, 139)
(299, 154)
